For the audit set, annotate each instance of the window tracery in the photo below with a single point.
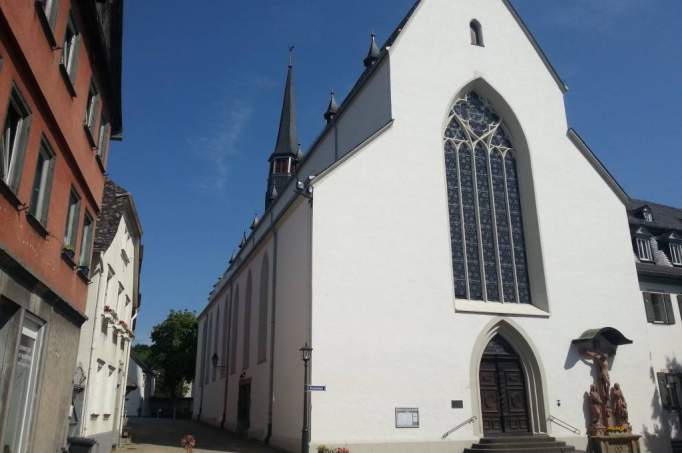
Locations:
(486, 226)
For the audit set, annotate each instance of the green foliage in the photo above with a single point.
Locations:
(143, 352)
(173, 351)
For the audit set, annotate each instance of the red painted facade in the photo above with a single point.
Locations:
(32, 64)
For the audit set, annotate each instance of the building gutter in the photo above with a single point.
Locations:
(271, 381)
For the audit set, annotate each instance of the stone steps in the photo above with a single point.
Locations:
(520, 444)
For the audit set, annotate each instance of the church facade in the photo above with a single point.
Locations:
(426, 247)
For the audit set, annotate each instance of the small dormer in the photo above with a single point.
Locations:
(674, 242)
(642, 242)
(646, 214)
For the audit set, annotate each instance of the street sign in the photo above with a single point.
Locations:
(316, 388)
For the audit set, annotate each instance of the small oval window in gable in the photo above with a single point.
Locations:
(476, 33)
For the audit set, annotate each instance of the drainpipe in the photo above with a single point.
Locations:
(271, 384)
(310, 313)
(226, 355)
(83, 421)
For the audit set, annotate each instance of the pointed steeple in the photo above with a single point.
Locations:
(373, 53)
(332, 108)
(287, 137)
(284, 159)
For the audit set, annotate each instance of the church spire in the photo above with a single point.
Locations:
(373, 53)
(287, 137)
(284, 159)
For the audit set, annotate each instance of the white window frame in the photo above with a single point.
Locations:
(70, 46)
(36, 334)
(72, 220)
(39, 207)
(86, 240)
(12, 152)
(644, 250)
(676, 253)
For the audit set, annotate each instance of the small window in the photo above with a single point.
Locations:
(13, 140)
(476, 33)
(659, 308)
(103, 141)
(670, 390)
(86, 242)
(114, 337)
(42, 184)
(47, 13)
(676, 253)
(72, 217)
(123, 344)
(91, 114)
(104, 325)
(70, 50)
(647, 215)
(644, 249)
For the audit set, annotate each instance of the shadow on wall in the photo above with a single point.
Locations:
(665, 421)
(572, 358)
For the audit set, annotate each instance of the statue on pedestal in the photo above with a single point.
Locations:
(620, 407)
(596, 409)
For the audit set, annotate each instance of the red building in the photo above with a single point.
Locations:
(60, 103)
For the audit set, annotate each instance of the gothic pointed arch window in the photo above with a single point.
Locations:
(486, 227)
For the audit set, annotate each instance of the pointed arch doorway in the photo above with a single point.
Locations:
(504, 401)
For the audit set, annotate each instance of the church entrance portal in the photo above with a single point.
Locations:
(504, 402)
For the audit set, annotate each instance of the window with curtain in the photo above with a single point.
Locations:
(486, 226)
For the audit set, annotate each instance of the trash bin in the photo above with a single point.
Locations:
(81, 445)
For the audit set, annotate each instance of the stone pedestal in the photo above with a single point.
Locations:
(615, 443)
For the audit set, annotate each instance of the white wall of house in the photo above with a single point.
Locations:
(104, 348)
(137, 401)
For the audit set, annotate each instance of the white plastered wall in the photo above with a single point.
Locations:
(386, 333)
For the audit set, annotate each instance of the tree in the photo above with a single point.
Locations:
(143, 352)
(173, 351)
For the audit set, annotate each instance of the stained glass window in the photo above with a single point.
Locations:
(486, 225)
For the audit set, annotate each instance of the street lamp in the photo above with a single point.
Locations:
(306, 354)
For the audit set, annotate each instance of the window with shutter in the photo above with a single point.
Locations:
(659, 308)
(668, 308)
(664, 390)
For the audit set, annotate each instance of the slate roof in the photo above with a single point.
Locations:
(666, 220)
(115, 201)
(665, 217)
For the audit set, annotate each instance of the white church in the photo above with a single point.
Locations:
(427, 248)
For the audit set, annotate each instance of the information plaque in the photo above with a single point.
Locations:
(407, 417)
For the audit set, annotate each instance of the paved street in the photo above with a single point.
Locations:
(149, 435)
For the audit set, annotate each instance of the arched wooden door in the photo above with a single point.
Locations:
(504, 402)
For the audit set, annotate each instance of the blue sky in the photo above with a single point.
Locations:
(202, 94)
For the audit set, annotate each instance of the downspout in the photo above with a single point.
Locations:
(310, 310)
(226, 360)
(82, 426)
(271, 384)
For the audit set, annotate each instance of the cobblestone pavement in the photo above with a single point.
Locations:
(149, 435)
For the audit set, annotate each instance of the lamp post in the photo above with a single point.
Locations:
(306, 353)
